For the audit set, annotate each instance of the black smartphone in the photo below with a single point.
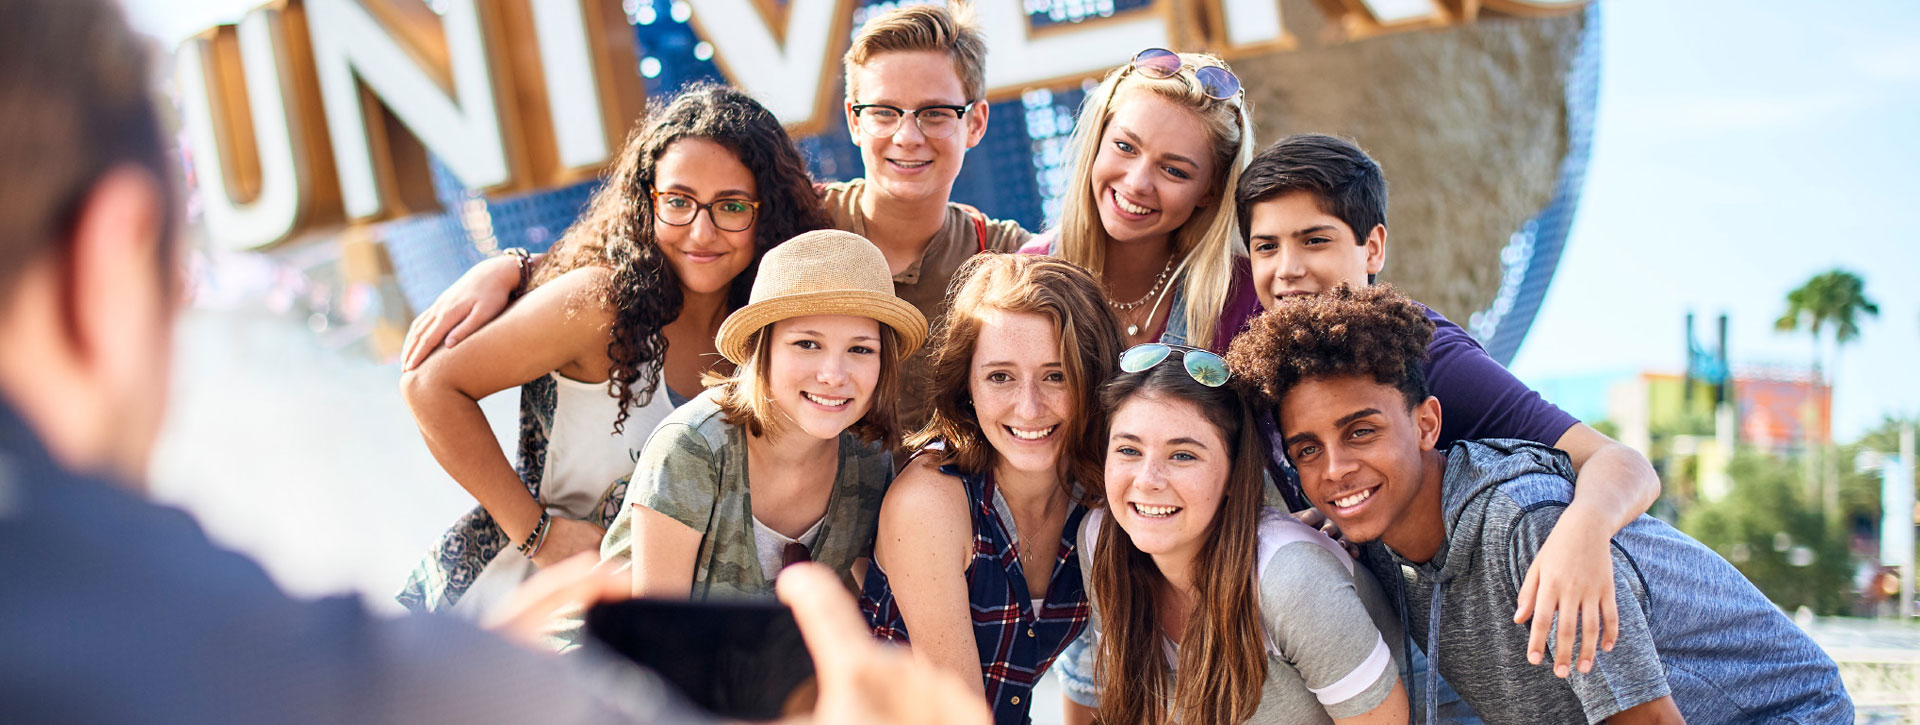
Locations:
(738, 659)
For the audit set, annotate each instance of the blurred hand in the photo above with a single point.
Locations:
(548, 599)
(1313, 517)
(567, 537)
(1572, 575)
(469, 304)
(861, 679)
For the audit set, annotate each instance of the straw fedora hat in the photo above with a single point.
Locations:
(825, 272)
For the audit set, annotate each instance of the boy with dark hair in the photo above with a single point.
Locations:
(1314, 209)
(1448, 530)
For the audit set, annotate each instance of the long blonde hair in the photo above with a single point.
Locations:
(1207, 242)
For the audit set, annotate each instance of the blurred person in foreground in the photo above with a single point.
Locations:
(121, 610)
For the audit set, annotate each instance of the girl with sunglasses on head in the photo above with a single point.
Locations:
(1210, 607)
(1149, 208)
(974, 565)
(616, 329)
(785, 460)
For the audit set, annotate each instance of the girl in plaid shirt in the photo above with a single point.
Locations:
(975, 563)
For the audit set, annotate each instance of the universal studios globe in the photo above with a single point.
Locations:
(1482, 120)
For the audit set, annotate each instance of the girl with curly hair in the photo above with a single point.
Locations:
(974, 562)
(617, 328)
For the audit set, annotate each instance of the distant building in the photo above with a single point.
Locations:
(1679, 425)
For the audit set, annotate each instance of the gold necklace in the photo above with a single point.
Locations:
(1157, 283)
(1133, 328)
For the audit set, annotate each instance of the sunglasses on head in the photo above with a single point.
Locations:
(1201, 364)
(1219, 83)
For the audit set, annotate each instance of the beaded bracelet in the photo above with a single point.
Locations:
(526, 267)
(537, 536)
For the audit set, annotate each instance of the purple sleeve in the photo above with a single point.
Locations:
(1241, 307)
(1481, 399)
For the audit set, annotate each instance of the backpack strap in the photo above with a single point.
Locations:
(979, 224)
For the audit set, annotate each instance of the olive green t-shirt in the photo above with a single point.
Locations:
(923, 284)
(694, 470)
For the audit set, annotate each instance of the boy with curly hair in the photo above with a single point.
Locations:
(1449, 530)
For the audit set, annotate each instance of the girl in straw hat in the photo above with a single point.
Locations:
(619, 322)
(785, 460)
(1019, 358)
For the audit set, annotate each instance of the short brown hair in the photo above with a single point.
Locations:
(1089, 352)
(1344, 181)
(746, 399)
(75, 105)
(1370, 331)
(944, 28)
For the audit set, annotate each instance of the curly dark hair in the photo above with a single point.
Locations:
(616, 230)
(1369, 330)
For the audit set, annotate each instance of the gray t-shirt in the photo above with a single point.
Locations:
(1483, 654)
(694, 470)
(1333, 640)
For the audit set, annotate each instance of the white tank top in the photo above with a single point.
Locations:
(584, 456)
(584, 459)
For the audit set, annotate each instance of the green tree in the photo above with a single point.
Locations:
(1773, 537)
(1832, 301)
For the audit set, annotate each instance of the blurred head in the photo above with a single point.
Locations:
(1023, 349)
(89, 268)
(1344, 369)
(1314, 209)
(708, 145)
(1157, 159)
(1183, 485)
(909, 58)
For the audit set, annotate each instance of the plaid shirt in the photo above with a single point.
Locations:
(1016, 643)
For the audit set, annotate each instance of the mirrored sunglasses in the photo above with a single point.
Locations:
(1219, 83)
(1205, 367)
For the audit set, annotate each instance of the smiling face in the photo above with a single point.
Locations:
(823, 370)
(705, 258)
(1298, 248)
(907, 165)
(1021, 395)
(1359, 450)
(1155, 166)
(1166, 475)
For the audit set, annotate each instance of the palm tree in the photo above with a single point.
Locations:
(1832, 300)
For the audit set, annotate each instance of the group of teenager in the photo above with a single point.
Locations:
(1117, 447)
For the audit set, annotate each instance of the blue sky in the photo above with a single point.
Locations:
(1741, 148)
